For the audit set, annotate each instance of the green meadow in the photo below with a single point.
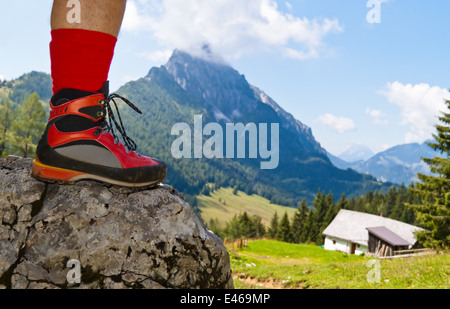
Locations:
(269, 264)
(222, 205)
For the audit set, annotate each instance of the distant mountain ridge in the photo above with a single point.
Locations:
(399, 164)
(356, 152)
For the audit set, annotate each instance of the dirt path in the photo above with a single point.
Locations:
(269, 283)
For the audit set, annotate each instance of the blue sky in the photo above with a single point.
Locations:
(351, 81)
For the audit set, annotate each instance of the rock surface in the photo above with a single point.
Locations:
(121, 237)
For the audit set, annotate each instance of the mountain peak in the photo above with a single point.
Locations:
(357, 152)
(205, 53)
(210, 79)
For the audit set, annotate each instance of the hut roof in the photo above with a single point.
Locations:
(388, 236)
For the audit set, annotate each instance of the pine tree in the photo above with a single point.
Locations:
(214, 226)
(351, 204)
(390, 200)
(377, 203)
(259, 227)
(399, 205)
(321, 207)
(359, 204)
(341, 204)
(273, 226)
(284, 229)
(246, 226)
(28, 125)
(298, 222)
(332, 212)
(7, 115)
(235, 190)
(434, 210)
(206, 190)
(306, 235)
(232, 229)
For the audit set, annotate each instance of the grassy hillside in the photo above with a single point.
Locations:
(19, 89)
(272, 264)
(223, 205)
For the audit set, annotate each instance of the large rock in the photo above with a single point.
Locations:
(122, 238)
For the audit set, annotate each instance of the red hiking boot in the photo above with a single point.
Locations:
(80, 143)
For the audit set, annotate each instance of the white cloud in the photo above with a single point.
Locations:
(378, 117)
(2, 78)
(133, 21)
(420, 106)
(337, 123)
(159, 56)
(231, 27)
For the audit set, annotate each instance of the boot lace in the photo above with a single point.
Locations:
(110, 124)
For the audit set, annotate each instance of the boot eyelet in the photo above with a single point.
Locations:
(100, 114)
(97, 132)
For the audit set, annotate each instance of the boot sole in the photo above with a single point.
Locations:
(52, 174)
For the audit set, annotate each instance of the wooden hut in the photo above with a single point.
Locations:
(383, 242)
(349, 232)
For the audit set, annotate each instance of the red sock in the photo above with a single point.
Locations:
(80, 59)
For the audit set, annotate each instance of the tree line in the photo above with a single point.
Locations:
(309, 221)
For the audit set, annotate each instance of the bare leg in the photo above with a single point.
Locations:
(84, 34)
(97, 15)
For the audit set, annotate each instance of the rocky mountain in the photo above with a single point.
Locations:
(93, 236)
(230, 97)
(399, 164)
